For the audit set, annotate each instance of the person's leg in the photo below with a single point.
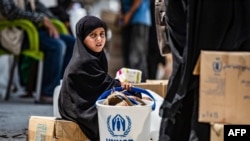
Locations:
(54, 52)
(139, 49)
(69, 41)
(153, 65)
(125, 45)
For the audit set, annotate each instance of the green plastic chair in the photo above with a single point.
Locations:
(60, 26)
(33, 50)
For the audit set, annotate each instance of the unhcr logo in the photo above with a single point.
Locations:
(119, 126)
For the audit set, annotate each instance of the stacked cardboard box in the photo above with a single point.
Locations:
(224, 87)
(111, 18)
(50, 128)
(157, 86)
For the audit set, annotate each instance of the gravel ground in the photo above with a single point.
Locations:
(14, 117)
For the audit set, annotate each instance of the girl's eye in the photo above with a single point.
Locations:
(102, 35)
(93, 35)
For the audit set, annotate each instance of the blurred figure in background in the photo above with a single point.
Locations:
(76, 11)
(135, 21)
(5, 63)
(69, 12)
(57, 48)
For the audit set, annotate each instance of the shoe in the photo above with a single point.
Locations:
(28, 95)
(45, 100)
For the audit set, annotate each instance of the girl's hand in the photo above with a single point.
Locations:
(126, 85)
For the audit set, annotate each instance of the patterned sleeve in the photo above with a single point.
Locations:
(10, 11)
(40, 8)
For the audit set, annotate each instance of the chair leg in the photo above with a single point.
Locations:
(39, 81)
(8, 91)
(31, 84)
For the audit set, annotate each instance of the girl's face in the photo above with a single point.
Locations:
(96, 39)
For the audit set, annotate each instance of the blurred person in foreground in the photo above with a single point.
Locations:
(196, 25)
(86, 77)
(154, 57)
(135, 21)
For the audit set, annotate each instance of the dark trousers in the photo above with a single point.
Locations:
(57, 54)
(135, 48)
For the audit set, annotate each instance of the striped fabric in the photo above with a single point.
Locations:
(10, 11)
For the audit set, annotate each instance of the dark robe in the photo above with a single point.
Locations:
(195, 25)
(85, 79)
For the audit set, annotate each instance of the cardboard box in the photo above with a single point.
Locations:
(50, 128)
(157, 86)
(217, 132)
(111, 18)
(224, 87)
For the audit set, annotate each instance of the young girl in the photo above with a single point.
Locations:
(86, 77)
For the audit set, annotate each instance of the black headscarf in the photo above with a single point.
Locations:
(85, 79)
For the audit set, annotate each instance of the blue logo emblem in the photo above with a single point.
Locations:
(118, 125)
(217, 65)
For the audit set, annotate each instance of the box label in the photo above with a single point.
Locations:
(41, 130)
